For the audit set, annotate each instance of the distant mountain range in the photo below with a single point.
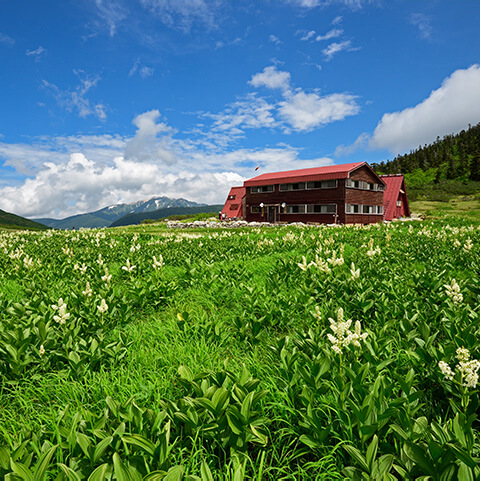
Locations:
(12, 221)
(134, 219)
(108, 215)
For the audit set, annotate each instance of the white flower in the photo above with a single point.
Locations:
(355, 273)
(88, 290)
(159, 263)
(28, 262)
(453, 291)
(456, 243)
(100, 260)
(41, 351)
(107, 277)
(103, 307)
(83, 269)
(128, 267)
(62, 315)
(317, 314)
(343, 337)
(303, 265)
(468, 245)
(446, 370)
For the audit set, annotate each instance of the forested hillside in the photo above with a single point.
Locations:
(449, 167)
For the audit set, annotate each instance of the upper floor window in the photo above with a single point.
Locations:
(257, 189)
(231, 197)
(360, 184)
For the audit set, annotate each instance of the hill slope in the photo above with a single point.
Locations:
(447, 169)
(134, 219)
(13, 221)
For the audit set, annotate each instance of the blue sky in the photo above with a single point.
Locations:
(108, 101)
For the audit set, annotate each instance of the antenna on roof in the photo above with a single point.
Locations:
(257, 167)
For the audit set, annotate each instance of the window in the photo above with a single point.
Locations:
(360, 184)
(323, 184)
(257, 189)
(294, 186)
(231, 197)
(256, 209)
(322, 209)
(399, 203)
(363, 209)
(233, 206)
(295, 209)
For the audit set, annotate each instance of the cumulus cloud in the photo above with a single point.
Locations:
(305, 111)
(82, 184)
(148, 143)
(37, 53)
(76, 99)
(448, 109)
(271, 78)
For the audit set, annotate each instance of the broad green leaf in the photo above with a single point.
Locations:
(99, 473)
(121, 471)
(42, 464)
(174, 474)
(205, 472)
(22, 471)
(101, 447)
(357, 456)
(70, 473)
(372, 452)
(141, 442)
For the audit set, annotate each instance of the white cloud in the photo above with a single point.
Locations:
(448, 109)
(422, 22)
(360, 143)
(274, 39)
(36, 53)
(337, 20)
(81, 184)
(337, 47)
(148, 144)
(182, 14)
(4, 38)
(75, 99)
(111, 13)
(334, 33)
(271, 78)
(307, 35)
(305, 111)
(354, 4)
(143, 70)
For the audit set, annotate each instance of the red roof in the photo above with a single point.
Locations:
(393, 192)
(329, 172)
(234, 202)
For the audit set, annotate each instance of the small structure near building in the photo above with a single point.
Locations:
(234, 208)
(395, 201)
(338, 194)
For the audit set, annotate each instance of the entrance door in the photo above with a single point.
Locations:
(272, 214)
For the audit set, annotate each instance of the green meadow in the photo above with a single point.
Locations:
(293, 352)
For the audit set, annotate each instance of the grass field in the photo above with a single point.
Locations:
(147, 353)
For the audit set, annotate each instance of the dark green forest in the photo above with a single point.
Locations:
(447, 168)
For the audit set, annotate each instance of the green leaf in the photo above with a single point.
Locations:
(101, 447)
(372, 452)
(185, 373)
(310, 441)
(141, 442)
(382, 466)
(99, 473)
(205, 472)
(174, 474)
(22, 471)
(356, 455)
(121, 471)
(84, 442)
(42, 464)
(69, 473)
(4, 458)
(417, 455)
(465, 473)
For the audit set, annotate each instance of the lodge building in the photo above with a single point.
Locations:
(339, 194)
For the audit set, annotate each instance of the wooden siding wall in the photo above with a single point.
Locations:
(339, 196)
